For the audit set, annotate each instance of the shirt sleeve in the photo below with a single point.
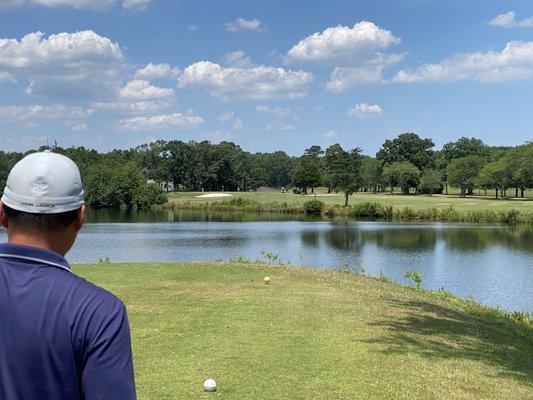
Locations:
(108, 366)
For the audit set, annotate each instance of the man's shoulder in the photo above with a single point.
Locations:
(87, 293)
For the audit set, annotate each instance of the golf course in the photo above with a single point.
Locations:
(311, 334)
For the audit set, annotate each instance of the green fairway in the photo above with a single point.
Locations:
(415, 202)
(311, 334)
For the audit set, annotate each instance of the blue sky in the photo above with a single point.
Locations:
(266, 74)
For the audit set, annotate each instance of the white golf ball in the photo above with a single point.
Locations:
(210, 385)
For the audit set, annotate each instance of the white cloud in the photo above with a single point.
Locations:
(280, 126)
(241, 24)
(79, 127)
(514, 62)
(157, 71)
(142, 90)
(192, 28)
(136, 5)
(78, 4)
(7, 77)
(238, 59)
(331, 134)
(160, 122)
(230, 117)
(280, 112)
(12, 113)
(81, 64)
(342, 45)
(97, 5)
(10, 4)
(365, 111)
(138, 107)
(508, 20)
(257, 83)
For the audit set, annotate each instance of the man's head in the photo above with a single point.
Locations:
(43, 202)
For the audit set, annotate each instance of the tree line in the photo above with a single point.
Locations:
(140, 176)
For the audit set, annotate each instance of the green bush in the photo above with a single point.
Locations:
(243, 202)
(415, 276)
(313, 207)
(511, 216)
(368, 209)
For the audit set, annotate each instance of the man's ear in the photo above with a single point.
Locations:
(3, 217)
(82, 212)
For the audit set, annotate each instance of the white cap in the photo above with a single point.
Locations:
(44, 183)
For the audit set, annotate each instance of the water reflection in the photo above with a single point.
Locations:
(491, 262)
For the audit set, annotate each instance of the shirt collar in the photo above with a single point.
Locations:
(35, 254)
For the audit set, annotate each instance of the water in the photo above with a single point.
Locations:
(491, 263)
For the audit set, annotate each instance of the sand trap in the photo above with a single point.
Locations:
(215, 195)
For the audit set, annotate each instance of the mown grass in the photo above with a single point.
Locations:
(311, 334)
(400, 208)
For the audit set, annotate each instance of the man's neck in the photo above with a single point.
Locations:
(38, 241)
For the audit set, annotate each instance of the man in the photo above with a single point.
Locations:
(61, 337)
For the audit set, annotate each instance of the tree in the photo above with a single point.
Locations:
(408, 147)
(521, 166)
(343, 169)
(462, 173)
(430, 182)
(465, 147)
(403, 174)
(495, 175)
(307, 172)
(372, 171)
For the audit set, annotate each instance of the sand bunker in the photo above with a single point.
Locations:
(216, 195)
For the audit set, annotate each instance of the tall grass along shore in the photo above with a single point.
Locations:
(312, 334)
(367, 206)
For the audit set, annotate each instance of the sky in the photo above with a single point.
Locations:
(268, 75)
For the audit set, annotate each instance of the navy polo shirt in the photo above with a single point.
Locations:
(61, 337)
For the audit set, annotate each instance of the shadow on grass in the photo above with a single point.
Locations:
(473, 333)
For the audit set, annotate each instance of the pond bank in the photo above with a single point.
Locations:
(311, 334)
(368, 210)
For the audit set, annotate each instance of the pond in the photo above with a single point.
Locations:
(492, 264)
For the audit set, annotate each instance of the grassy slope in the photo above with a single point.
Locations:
(310, 335)
(415, 202)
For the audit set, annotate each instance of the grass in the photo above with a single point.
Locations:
(311, 334)
(414, 207)
(415, 202)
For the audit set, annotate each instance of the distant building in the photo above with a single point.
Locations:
(166, 186)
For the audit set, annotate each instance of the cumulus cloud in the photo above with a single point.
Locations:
(365, 111)
(14, 113)
(509, 20)
(238, 59)
(230, 117)
(138, 107)
(142, 90)
(241, 24)
(160, 122)
(157, 71)
(514, 62)
(342, 45)
(136, 5)
(81, 64)
(256, 83)
(7, 77)
(280, 126)
(280, 112)
(79, 127)
(192, 28)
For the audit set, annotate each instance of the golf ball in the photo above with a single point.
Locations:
(266, 279)
(210, 385)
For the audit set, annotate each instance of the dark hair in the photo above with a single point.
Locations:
(46, 222)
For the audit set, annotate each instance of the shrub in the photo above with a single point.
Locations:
(511, 216)
(368, 209)
(415, 276)
(313, 207)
